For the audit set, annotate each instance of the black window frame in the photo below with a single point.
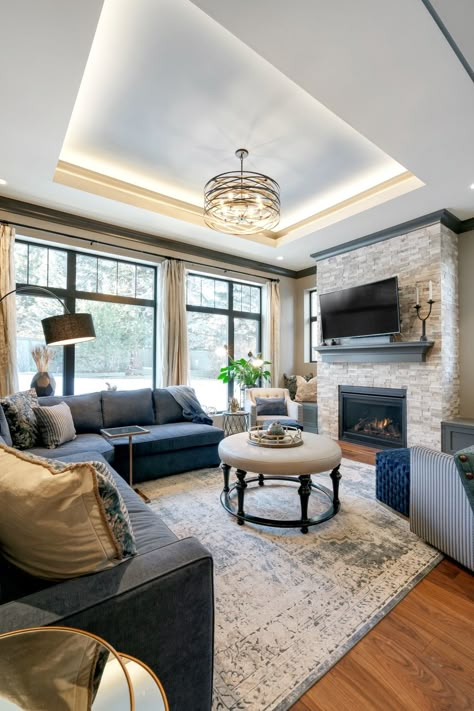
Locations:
(230, 313)
(70, 295)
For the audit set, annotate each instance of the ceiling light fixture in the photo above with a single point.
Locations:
(3, 182)
(472, 186)
(241, 202)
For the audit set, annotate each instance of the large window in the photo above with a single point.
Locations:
(224, 319)
(121, 296)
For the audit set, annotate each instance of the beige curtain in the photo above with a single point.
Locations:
(174, 333)
(8, 368)
(272, 331)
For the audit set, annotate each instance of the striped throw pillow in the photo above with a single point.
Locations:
(55, 424)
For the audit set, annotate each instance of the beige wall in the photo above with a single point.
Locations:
(302, 364)
(466, 321)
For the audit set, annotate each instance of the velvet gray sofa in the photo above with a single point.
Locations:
(157, 606)
(174, 444)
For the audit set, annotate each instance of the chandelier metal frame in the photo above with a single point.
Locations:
(241, 202)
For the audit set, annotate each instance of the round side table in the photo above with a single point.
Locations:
(235, 422)
(67, 669)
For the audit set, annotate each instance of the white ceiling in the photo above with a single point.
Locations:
(331, 100)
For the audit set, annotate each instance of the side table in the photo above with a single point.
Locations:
(130, 431)
(68, 669)
(235, 422)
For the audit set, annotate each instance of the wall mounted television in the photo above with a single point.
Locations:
(366, 310)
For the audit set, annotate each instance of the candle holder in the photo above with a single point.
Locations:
(424, 319)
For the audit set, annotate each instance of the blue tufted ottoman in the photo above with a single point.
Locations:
(392, 479)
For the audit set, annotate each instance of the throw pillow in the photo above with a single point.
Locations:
(306, 390)
(18, 409)
(271, 406)
(55, 424)
(54, 523)
(291, 382)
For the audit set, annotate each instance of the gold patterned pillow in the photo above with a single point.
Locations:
(60, 520)
(306, 391)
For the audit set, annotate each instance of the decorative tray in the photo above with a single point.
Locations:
(290, 437)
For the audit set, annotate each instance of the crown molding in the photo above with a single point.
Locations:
(445, 217)
(65, 219)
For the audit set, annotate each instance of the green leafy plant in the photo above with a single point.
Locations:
(245, 371)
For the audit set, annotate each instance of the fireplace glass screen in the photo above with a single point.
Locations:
(376, 419)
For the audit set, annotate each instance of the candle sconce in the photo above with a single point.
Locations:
(424, 319)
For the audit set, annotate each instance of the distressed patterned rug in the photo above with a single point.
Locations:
(288, 605)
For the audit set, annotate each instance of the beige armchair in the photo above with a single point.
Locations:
(294, 410)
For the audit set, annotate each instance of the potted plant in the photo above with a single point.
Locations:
(246, 372)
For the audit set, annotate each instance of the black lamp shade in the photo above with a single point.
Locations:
(68, 328)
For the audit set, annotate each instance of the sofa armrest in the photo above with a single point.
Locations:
(295, 410)
(251, 408)
(440, 511)
(157, 607)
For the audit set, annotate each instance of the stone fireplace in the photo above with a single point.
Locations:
(431, 387)
(372, 416)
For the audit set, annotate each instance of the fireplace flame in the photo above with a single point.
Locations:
(382, 427)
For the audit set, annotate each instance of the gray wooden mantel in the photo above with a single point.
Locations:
(398, 352)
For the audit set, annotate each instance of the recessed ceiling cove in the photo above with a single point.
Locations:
(167, 97)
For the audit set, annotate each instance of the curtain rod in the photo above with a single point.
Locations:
(129, 249)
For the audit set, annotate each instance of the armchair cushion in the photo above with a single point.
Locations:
(271, 406)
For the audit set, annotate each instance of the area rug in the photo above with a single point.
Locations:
(288, 605)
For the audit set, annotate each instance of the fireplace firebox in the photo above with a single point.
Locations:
(373, 416)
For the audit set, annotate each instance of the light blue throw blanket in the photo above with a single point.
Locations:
(187, 400)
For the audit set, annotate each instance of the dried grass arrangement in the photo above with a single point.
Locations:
(43, 356)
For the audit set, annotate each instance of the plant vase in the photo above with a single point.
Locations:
(43, 383)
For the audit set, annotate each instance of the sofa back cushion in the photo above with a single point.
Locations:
(86, 410)
(59, 520)
(167, 409)
(127, 407)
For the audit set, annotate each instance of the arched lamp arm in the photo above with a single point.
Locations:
(42, 289)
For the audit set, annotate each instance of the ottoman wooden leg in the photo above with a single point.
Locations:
(226, 471)
(336, 476)
(261, 479)
(304, 491)
(241, 486)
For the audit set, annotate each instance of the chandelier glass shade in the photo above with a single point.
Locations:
(241, 202)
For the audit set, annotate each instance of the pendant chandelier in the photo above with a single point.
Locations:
(241, 202)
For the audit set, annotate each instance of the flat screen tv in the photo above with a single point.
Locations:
(366, 310)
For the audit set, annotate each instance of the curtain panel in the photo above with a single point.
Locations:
(174, 332)
(272, 330)
(8, 365)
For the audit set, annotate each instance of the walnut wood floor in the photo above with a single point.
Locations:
(418, 658)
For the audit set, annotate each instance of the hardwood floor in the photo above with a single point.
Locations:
(418, 658)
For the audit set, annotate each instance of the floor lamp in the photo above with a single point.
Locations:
(65, 329)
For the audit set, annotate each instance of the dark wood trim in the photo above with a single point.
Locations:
(309, 271)
(449, 38)
(467, 225)
(445, 217)
(38, 212)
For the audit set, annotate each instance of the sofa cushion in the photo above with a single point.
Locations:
(166, 408)
(4, 429)
(55, 424)
(271, 406)
(83, 443)
(58, 520)
(18, 409)
(149, 530)
(86, 410)
(127, 407)
(172, 437)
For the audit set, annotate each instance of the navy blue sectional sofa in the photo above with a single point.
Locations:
(158, 605)
(174, 444)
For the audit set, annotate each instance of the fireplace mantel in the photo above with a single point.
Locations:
(400, 351)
